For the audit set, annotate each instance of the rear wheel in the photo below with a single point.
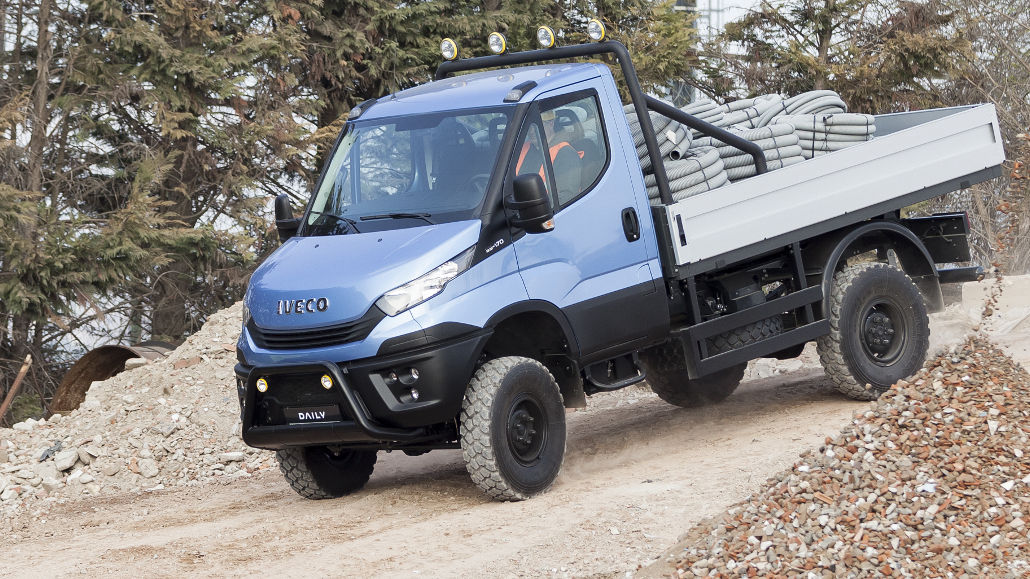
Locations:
(667, 369)
(513, 428)
(879, 330)
(319, 472)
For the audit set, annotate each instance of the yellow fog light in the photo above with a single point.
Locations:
(327, 381)
(262, 385)
(545, 36)
(449, 49)
(497, 43)
(595, 30)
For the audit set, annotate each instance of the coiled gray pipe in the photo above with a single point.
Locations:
(825, 133)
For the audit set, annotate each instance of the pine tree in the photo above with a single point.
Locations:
(880, 56)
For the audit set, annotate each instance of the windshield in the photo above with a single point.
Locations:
(408, 171)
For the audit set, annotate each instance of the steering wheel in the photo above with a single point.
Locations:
(477, 183)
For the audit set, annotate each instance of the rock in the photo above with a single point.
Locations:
(132, 363)
(166, 429)
(90, 405)
(24, 426)
(148, 468)
(85, 456)
(51, 484)
(46, 470)
(86, 478)
(110, 467)
(4, 457)
(4, 482)
(10, 493)
(231, 457)
(66, 459)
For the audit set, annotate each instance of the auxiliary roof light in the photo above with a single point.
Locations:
(545, 36)
(449, 49)
(497, 43)
(595, 30)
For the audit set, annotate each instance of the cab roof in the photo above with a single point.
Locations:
(481, 89)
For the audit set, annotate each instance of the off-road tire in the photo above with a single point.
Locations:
(862, 296)
(667, 370)
(748, 334)
(316, 472)
(513, 428)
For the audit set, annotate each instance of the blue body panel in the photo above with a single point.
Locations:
(352, 271)
(587, 254)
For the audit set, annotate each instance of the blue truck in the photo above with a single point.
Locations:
(480, 253)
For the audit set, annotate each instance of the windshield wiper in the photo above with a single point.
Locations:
(338, 218)
(423, 216)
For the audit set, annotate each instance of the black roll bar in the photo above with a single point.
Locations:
(641, 102)
(711, 130)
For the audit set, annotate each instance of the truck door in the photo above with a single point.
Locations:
(594, 264)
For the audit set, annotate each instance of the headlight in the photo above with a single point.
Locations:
(411, 294)
(246, 313)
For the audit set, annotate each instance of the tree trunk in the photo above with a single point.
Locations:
(170, 320)
(40, 92)
(825, 38)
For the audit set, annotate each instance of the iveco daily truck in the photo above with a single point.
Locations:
(446, 287)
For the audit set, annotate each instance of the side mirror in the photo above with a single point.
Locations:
(530, 200)
(285, 223)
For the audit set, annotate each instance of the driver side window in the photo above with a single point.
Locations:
(566, 145)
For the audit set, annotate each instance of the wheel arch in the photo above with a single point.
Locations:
(539, 330)
(834, 249)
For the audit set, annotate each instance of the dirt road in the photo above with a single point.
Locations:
(638, 474)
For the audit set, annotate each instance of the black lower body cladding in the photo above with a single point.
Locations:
(370, 401)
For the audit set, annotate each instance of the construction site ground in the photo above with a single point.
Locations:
(638, 475)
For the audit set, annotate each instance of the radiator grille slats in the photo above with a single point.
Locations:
(293, 339)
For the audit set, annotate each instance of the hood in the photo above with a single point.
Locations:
(343, 275)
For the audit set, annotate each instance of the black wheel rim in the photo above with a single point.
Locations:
(526, 429)
(884, 332)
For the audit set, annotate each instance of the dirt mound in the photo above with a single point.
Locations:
(165, 423)
(932, 480)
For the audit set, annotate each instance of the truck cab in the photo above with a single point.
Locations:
(405, 270)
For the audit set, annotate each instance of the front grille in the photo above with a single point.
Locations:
(353, 331)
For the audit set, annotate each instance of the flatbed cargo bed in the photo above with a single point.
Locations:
(915, 156)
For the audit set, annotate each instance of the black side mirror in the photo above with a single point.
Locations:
(285, 223)
(530, 200)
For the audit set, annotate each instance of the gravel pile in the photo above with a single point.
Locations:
(166, 423)
(933, 480)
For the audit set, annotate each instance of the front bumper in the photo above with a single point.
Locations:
(363, 405)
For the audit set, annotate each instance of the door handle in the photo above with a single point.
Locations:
(630, 224)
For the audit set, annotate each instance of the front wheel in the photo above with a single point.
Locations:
(879, 330)
(513, 428)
